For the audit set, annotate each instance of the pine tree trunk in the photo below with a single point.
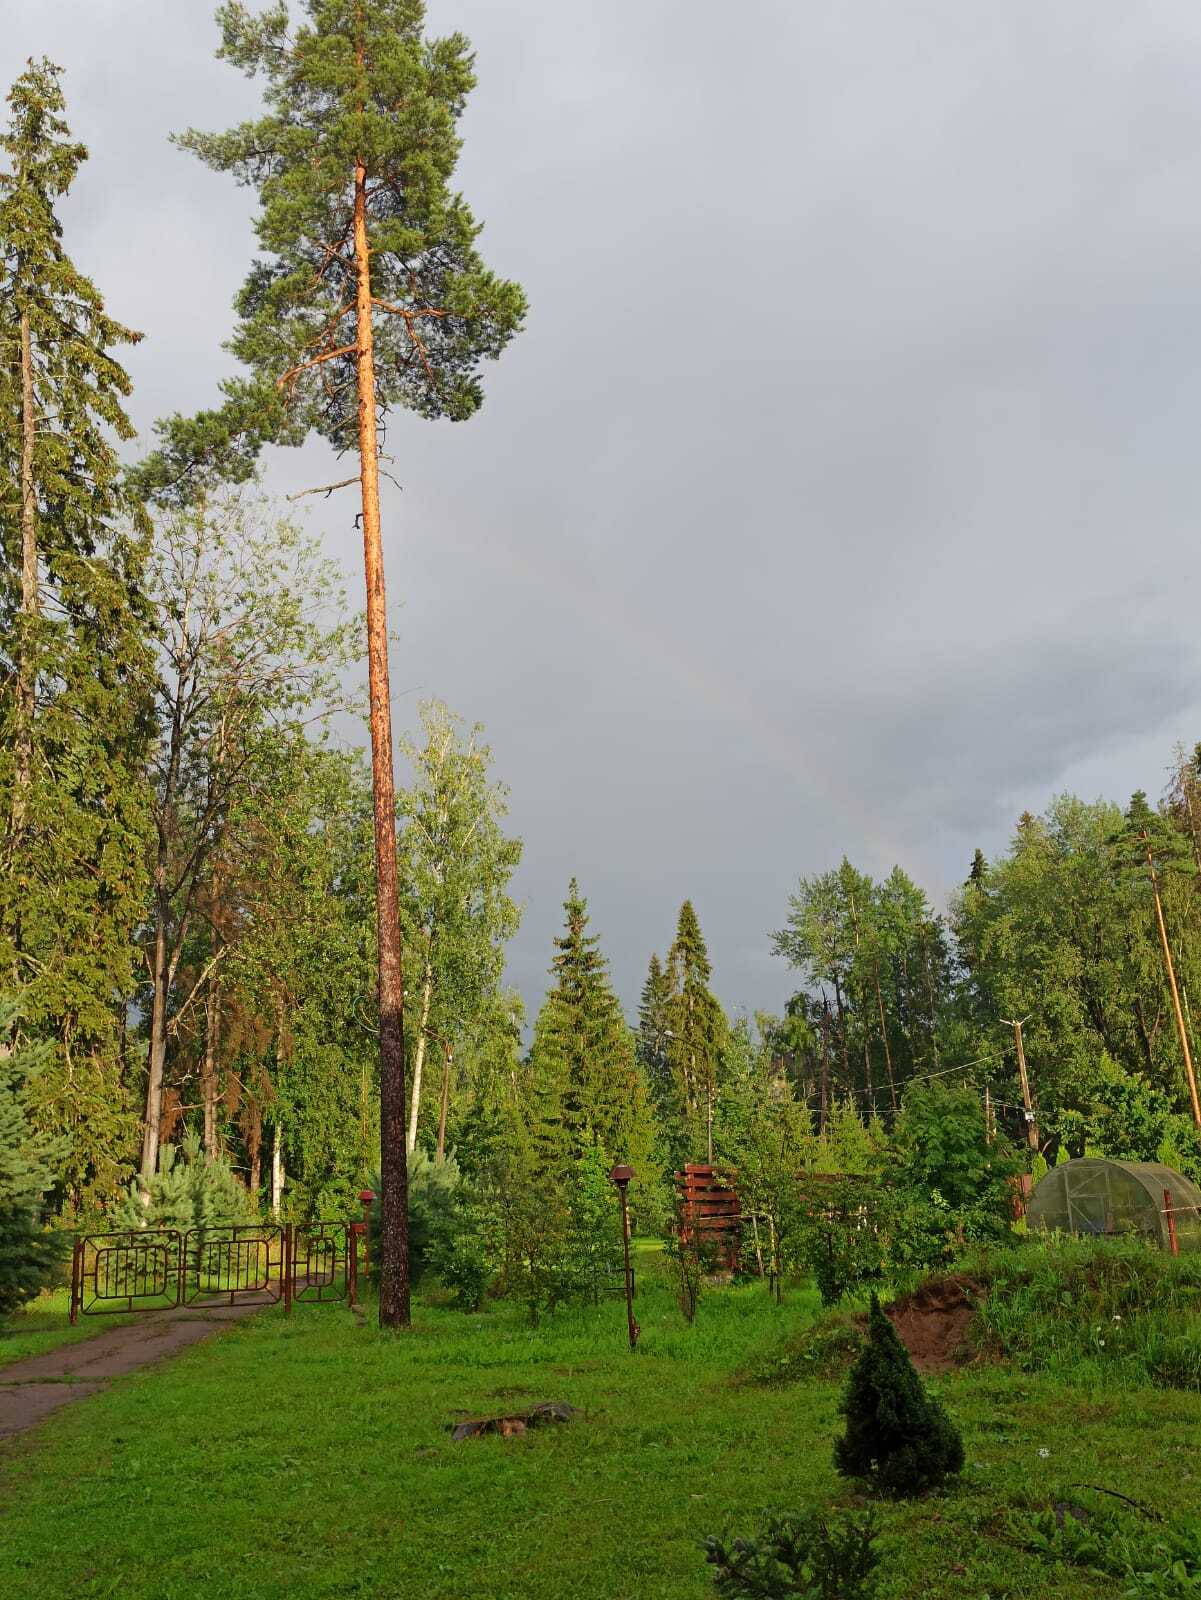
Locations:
(156, 1060)
(30, 598)
(825, 1079)
(427, 995)
(208, 1071)
(394, 1241)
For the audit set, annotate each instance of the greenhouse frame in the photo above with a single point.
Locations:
(1098, 1197)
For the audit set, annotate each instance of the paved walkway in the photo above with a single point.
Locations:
(32, 1389)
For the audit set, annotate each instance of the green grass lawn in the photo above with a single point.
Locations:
(310, 1456)
(43, 1325)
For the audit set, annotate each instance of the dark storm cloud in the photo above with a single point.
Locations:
(841, 495)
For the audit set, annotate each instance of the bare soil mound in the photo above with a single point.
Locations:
(933, 1322)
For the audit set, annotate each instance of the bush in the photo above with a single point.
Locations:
(951, 1180)
(445, 1234)
(31, 1257)
(841, 1240)
(593, 1260)
(693, 1258)
(463, 1262)
(898, 1436)
(433, 1194)
(809, 1555)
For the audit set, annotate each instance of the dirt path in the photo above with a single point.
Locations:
(32, 1389)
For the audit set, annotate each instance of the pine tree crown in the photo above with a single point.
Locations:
(355, 89)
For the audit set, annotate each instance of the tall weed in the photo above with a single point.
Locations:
(1097, 1312)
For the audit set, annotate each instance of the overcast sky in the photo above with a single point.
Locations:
(841, 495)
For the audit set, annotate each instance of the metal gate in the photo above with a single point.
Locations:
(164, 1269)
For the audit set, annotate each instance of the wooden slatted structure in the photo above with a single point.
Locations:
(709, 1211)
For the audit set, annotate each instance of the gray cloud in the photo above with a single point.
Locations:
(841, 495)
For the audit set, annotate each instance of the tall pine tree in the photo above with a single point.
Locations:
(370, 296)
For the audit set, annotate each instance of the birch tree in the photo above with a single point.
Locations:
(456, 906)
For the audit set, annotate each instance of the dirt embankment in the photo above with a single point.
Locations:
(933, 1322)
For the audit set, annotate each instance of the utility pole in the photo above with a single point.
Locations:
(1033, 1137)
(1167, 957)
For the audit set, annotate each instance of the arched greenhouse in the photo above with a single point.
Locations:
(1098, 1197)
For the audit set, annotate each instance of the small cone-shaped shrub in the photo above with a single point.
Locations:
(898, 1436)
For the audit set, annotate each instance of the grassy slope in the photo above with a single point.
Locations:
(310, 1458)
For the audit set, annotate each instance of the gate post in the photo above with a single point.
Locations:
(287, 1268)
(1169, 1212)
(367, 1196)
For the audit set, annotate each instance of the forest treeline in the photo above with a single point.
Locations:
(188, 909)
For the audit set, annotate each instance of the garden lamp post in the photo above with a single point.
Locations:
(620, 1176)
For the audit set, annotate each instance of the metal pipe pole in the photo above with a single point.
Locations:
(1169, 1212)
(625, 1241)
(620, 1177)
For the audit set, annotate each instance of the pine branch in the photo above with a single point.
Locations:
(330, 355)
(325, 489)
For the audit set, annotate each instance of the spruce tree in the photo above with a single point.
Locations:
(653, 1028)
(584, 1074)
(27, 1160)
(696, 1034)
(898, 1436)
(76, 671)
(370, 295)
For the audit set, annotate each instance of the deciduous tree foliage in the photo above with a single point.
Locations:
(298, 1062)
(456, 867)
(874, 960)
(1061, 930)
(240, 660)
